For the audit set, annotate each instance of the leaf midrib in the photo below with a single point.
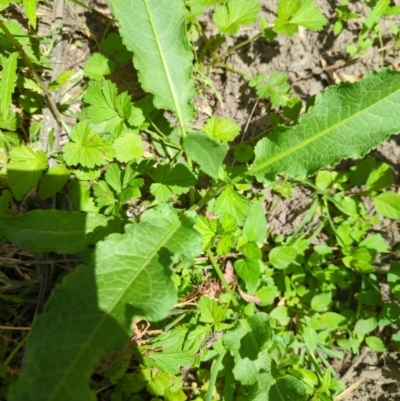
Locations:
(302, 144)
(165, 65)
(107, 312)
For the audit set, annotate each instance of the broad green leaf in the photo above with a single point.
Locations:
(376, 344)
(333, 321)
(92, 310)
(8, 140)
(282, 256)
(30, 7)
(229, 17)
(243, 153)
(25, 169)
(58, 231)
(388, 204)
(292, 13)
(365, 326)
(255, 226)
(128, 147)
(105, 109)
(249, 337)
(53, 181)
(249, 271)
(322, 301)
(97, 66)
(222, 129)
(87, 148)
(161, 52)
(381, 177)
(281, 314)
(206, 151)
(105, 198)
(177, 180)
(208, 230)
(288, 388)
(232, 203)
(276, 88)
(267, 295)
(210, 311)
(7, 83)
(322, 138)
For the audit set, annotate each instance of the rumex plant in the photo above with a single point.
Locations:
(142, 225)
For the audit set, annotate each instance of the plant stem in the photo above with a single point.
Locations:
(213, 377)
(244, 43)
(222, 278)
(15, 350)
(39, 81)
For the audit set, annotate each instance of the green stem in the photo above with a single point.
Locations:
(213, 377)
(244, 43)
(226, 67)
(222, 278)
(15, 350)
(39, 81)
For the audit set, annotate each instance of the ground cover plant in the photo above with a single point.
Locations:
(172, 285)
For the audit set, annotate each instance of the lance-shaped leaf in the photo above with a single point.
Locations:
(92, 310)
(41, 231)
(347, 121)
(7, 83)
(155, 31)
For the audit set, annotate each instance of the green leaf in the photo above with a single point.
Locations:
(243, 153)
(41, 231)
(375, 344)
(292, 13)
(30, 7)
(388, 205)
(128, 147)
(232, 203)
(222, 129)
(177, 180)
(25, 169)
(322, 301)
(210, 311)
(9, 140)
(276, 88)
(282, 256)
(381, 177)
(7, 83)
(229, 17)
(333, 321)
(53, 181)
(249, 271)
(93, 308)
(208, 230)
(281, 314)
(327, 125)
(105, 108)
(365, 326)
(161, 52)
(255, 226)
(86, 148)
(97, 66)
(61, 80)
(206, 152)
(105, 198)
(249, 337)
